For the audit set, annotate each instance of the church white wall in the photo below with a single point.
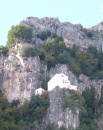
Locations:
(62, 81)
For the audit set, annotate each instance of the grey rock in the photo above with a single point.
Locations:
(72, 34)
(57, 116)
(21, 76)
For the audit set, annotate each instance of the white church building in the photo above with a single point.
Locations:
(60, 80)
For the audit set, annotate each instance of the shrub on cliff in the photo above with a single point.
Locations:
(4, 50)
(19, 33)
(88, 117)
(54, 52)
(72, 100)
(44, 35)
(28, 52)
(55, 46)
(88, 62)
(34, 110)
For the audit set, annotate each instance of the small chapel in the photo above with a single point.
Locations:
(62, 81)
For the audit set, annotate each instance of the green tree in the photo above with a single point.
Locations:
(44, 35)
(101, 98)
(4, 50)
(55, 46)
(92, 50)
(87, 116)
(19, 33)
(88, 63)
(89, 96)
(29, 52)
(100, 59)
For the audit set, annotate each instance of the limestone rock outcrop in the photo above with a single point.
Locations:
(22, 77)
(72, 34)
(59, 117)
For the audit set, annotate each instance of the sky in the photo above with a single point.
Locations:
(85, 12)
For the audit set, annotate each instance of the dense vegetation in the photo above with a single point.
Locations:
(13, 117)
(88, 62)
(19, 33)
(4, 50)
(72, 99)
(91, 108)
(88, 118)
(44, 35)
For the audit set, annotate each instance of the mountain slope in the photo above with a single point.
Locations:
(34, 56)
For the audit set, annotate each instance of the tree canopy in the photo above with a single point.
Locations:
(19, 33)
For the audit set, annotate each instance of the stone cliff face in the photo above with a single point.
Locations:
(21, 76)
(59, 117)
(98, 27)
(20, 84)
(72, 34)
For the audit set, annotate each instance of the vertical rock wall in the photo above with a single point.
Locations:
(20, 82)
(57, 115)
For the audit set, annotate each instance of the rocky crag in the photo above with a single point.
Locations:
(72, 34)
(21, 76)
